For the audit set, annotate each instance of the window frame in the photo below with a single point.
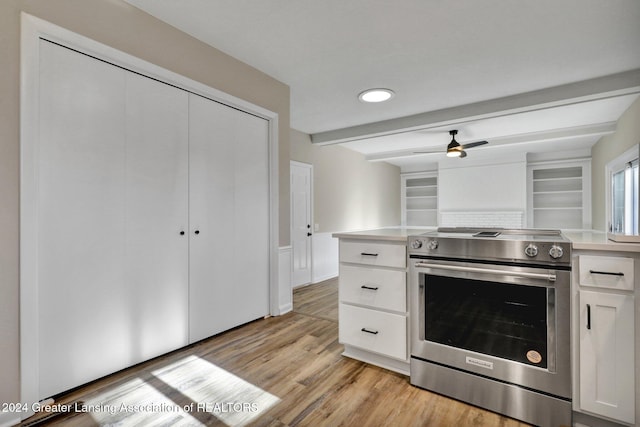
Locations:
(629, 158)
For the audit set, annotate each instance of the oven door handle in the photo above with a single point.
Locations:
(549, 276)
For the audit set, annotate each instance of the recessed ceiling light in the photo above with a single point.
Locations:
(376, 95)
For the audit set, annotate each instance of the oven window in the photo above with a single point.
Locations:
(507, 321)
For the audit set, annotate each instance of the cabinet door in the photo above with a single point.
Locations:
(84, 309)
(229, 218)
(157, 191)
(607, 355)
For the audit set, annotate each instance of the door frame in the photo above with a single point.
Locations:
(32, 30)
(311, 219)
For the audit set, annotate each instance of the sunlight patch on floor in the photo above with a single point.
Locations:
(137, 403)
(228, 397)
(185, 393)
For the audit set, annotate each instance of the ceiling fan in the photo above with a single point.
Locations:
(455, 149)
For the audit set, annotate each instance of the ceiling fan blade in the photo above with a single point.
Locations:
(462, 154)
(473, 144)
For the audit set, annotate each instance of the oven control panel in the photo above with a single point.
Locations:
(513, 248)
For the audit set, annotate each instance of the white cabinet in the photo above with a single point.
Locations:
(607, 355)
(604, 336)
(373, 253)
(419, 199)
(148, 221)
(373, 315)
(609, 272)
(559, 195)
(374, 330)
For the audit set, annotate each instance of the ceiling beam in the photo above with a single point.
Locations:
(598, 129)
(574, 93)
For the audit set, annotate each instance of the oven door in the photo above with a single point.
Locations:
(506, 322)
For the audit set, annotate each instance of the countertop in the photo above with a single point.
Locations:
(581, 239)
(392, 234)
(597, 241)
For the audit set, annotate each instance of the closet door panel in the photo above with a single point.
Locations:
(229, 206)
(252, 219)
(157, 188)
(84, 309)
(212, 214)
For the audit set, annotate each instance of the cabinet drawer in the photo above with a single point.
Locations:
(374, 253)
(375, 331)
(373, 287)
(606, 272)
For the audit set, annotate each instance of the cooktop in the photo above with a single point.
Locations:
(522, 244)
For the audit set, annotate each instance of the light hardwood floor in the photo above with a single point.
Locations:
(279, 371)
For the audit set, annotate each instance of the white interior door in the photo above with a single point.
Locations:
(301, 218)
(229, 217)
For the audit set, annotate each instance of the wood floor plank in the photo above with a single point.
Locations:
(290, 366)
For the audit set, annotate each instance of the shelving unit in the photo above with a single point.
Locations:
(420, 199)
(560, 195)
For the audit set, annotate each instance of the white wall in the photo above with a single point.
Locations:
(350, 193)
(608, 148)
(325, 257)
(497, 184)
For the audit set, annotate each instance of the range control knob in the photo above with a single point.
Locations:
(531, 250)
(556, 252)
(416, 244)
(433, 244)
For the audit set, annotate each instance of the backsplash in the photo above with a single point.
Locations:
(497, 219)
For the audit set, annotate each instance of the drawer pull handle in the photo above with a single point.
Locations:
(369, 331)
(588, 316)
(606, 273)
(368, 254)
(371, 288)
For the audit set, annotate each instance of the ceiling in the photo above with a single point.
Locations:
(526, 76)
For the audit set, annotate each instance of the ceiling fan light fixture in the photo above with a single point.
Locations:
(376, 95)
(454, 149)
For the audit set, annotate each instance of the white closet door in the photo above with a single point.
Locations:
(157, 211)
(250, 292)
(83, 298)
(112, 201)
(229, 218)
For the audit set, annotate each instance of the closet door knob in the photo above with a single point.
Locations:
(182, 233)
(197, 231)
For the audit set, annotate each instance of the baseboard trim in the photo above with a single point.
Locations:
(9, 419)
(284, 309)
(322, 279)
(399, 366)
(285, 297)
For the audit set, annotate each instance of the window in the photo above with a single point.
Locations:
(623, 188)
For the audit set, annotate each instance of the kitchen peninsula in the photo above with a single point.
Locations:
(375, 315)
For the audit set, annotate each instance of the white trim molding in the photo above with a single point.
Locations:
(285, 265)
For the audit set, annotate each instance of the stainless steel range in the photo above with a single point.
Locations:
(490, 318)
